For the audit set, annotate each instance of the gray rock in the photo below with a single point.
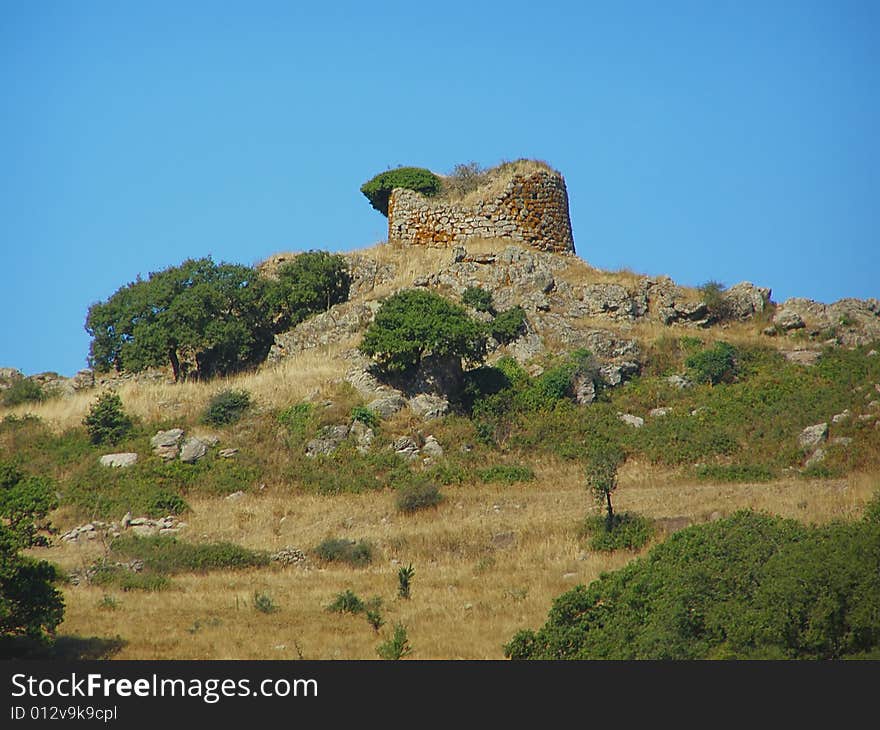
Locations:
(745, 300)
(363, 436)
(387, 405)
(167, 438)
(405, 447)
(432, 447)
(841, 417)
(584, 389)
(193, 449)
(611, 300)
(812, 436)
(631, 420)
(147, 530)
(659, 412)
(227, 453)
(235, 496)
(428, 407)
(327, 441)
(168, 453)
(119, 460)
(679, 381)
(616, 374)
(802, 357)
(788, 320)
(817, 457)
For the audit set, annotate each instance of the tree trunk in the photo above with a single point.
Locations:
(175, 363)
(609, 520)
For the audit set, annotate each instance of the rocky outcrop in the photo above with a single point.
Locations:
(120, 460)
(849, 322)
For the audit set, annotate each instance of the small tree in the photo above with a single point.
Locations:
(397, 646)
(478, 298)
(601, 473)
(313, 282)
(405, 574)
(415, 322)
(106, 422)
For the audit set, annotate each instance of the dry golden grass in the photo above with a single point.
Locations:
(494, 181)
(291, 380)
(469, 595)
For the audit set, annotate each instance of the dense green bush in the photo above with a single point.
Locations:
(264, 603)
(312, 282)
(418, 496)
(508, 325)
(338, 550)
(416, 322)
(748, 586)
(227, 406)
(629, 531)
(478, 298)
(378, 189)
(22, 390)
(167, 555)
(107, 422)
(29, 604)
(713, 365)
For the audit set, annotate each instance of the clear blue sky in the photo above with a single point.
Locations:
(706, 140)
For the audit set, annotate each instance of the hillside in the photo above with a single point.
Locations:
(577, 359)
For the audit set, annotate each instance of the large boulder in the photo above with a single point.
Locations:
(428, 407)
(812, 436)
(193, 449)
(327, 441)
(120, 460)
(745, 300)
(166, 443)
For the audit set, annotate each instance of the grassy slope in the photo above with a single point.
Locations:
(470, 593)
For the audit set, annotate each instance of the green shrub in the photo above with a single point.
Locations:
(713, 365)
(227, 406)
(508, 325)
(127, 580)
(298, 418)
(347, 602)
(264, 603)
(418, 496)
(25, 502)
(338, 550)
(365, 416)
(506, 473)
(23, 390)
(167, 555)
(872, 509)
(405, 575)
(378, 189)
(397, 646)
(374, 614)
(629, 531)
(415, 322)
(748, 586)
(478, 298)
(106, 422)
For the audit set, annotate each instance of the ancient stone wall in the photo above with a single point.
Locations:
(532, 208)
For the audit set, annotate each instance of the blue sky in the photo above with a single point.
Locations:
(722, 141)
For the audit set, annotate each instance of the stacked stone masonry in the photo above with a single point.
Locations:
(532, 208)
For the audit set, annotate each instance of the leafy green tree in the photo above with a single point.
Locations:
(478, 298)
(378, 189)
(29, 604)
(416, 322)
(200, 316)
(313, 282)
(106, 421)
(601, 473)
